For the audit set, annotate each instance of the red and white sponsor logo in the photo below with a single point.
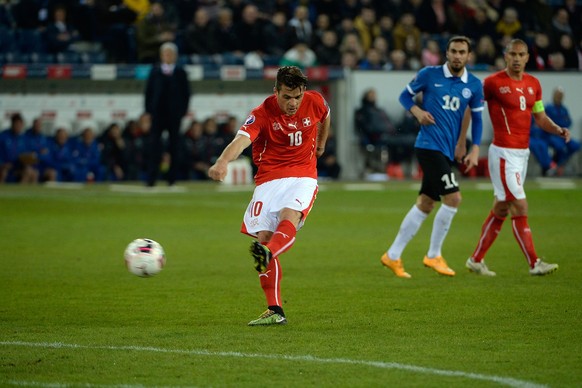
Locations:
(233, 73)
(14, 71)
(270, 72)
(59, 72)
(320, 73)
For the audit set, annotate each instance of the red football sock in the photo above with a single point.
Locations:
(271, 282)
(282, 239)
(522, 234)
(489, 232)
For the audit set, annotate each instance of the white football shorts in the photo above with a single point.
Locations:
(508, 169)
(271, 197)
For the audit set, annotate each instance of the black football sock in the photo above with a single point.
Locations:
(277, 309)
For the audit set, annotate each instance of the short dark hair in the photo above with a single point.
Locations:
(291, 77)
(459, 38)
(16, 117)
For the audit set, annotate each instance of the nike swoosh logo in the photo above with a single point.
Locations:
(438, 85)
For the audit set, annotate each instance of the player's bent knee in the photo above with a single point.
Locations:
(453, 200)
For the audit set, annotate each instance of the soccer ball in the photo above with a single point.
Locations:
(144, 257)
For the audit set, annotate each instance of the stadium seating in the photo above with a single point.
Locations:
(68, 57)
(93, 58)
(16, 57)
(41, 58)
(29, 41)
(7, 40)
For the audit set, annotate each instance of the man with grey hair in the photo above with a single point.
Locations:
(167, 97)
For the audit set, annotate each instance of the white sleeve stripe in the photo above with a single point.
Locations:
(328, 113)
(244, 133)
(410, 90)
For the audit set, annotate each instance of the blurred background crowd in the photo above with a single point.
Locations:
(364, 34)
(117, 153)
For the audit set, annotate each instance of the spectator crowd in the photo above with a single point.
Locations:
(119, 152)
(363, 34)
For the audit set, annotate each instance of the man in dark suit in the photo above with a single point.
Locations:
(167, 97)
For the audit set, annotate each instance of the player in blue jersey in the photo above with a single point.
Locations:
(448, 92)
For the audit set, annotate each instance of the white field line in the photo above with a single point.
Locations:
(41, 384)
(484, 186)
(307, 358)
(363, 187)
(64, 185)
(146, 190)
(549, 183)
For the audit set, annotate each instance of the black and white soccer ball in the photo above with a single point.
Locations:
(144, 257)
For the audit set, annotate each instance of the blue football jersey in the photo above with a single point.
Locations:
(446, 97)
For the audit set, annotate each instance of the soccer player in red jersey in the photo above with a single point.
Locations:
(288, 132)
(512, 96)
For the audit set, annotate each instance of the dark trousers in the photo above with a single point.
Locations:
(157, 148)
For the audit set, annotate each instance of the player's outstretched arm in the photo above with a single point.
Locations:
(232, 151)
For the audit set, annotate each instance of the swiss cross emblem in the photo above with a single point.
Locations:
(306, 122)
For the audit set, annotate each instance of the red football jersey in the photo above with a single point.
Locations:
(510, 104)
(284, 146)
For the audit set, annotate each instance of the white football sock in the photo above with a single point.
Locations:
(440, 228)
(410, 225)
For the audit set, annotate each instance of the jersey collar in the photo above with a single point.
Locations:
(464, 77)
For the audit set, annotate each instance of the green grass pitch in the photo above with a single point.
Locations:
(71, 315)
